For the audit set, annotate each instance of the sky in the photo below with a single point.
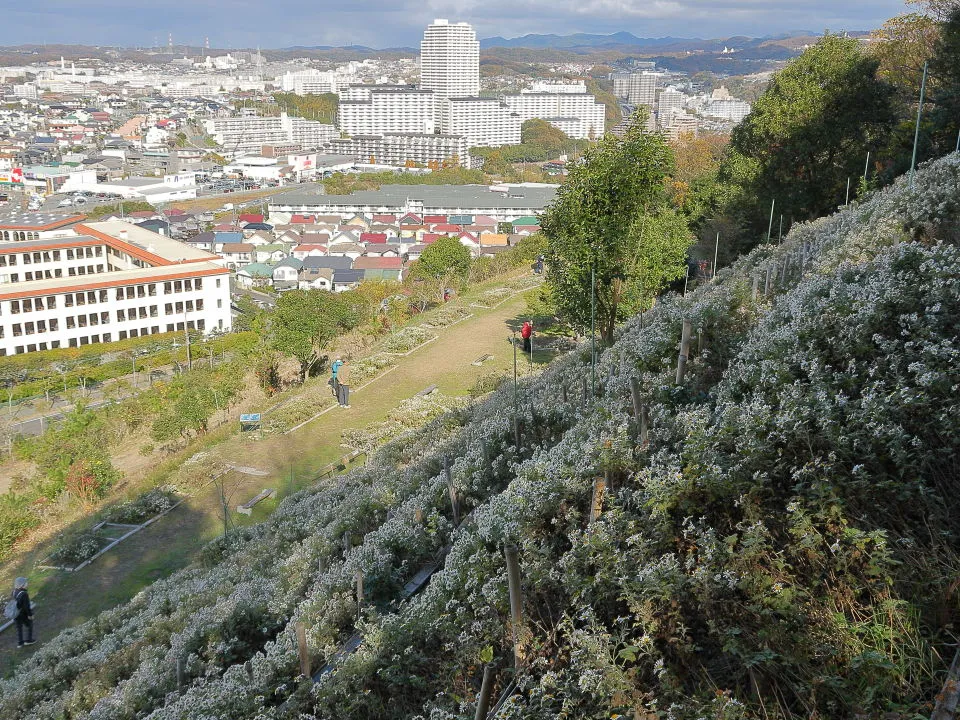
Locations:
(397, 23)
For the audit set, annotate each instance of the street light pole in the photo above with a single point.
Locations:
(916, 133)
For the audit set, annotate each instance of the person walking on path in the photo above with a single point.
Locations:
(526, 332)
(334, 376)
(24, 615)
(343, 385)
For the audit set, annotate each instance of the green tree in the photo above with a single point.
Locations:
(808, 133)
(945, 68)
(611, 220)
(443, 263)
(305, 321)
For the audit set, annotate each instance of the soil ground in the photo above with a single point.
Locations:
(292, 461)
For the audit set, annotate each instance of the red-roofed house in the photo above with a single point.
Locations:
(385, 219)
(469, 240)
(434, 219)
(142, 214)
(301, 219)
(485, 220)
(222, 227)
(446, 229)
(376, 238)
(430, 238)
(304, 251)
(411, 219)
(251, 218)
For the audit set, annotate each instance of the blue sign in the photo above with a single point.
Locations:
(250, 418)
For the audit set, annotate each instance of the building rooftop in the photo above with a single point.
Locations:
(38, 221)
(448, 196)
(167, 250)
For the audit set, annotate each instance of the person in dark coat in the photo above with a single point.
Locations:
(24, 617)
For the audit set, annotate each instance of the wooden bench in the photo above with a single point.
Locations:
(247, 507)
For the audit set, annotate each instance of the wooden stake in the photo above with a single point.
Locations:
(644, 426)
(635, 396)
(596, 503)
(586, 390)
(486, 690)
(516, 431)
(516, 599)
(302, 649)
(418, 516)
(684, 350)
(346, 544)
(756, 283)
(358, 576)
(181, 680)
(454, 505)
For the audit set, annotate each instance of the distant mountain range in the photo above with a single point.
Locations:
(585, 42)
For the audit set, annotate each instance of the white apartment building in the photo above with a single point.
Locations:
(380, 109)
(449, 65)
(733, 110)
(557, 86)
(484, 122)
(312, 82)
(404, 149)
(564, 107)
(670, 100)
(241, 135)
(678, 124)
(637, 88)
(103, 282)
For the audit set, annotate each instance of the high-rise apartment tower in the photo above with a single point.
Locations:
(449, 63)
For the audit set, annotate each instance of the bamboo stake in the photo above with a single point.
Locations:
(645, 426)
(486, 690)
(635, 396)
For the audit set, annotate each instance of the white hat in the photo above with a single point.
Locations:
(20, 582)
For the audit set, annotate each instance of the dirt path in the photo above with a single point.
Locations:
(66, 599)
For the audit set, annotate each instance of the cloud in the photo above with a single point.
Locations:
(392, 23)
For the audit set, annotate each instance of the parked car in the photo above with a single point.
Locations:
(66, 202)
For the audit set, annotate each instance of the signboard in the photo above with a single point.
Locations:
(250, 418)
(12, 177)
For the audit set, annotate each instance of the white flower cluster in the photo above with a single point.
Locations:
(830, 355)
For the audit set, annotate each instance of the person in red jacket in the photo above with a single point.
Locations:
(526, 332)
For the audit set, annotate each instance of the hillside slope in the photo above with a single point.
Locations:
(784, 544)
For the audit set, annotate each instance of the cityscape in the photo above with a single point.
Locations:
(504, 361)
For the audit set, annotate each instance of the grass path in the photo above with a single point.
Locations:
(65, 599)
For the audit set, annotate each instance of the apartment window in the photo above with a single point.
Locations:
(94, 339)
(54, 324)
(168, 309)
(29, 276)
(41, 326)
(81, 320)
(106, 337)
(71, 322)
(100, 268)
(26, 258)
(189, 305)
(219, 303)
(152, 289)
(218, 282)
(38, 303)
(122, 335)
(141, 291)
(17, 330)
(179, 308)
(131, 293)
(142, 313)
(99, 252)
(73, 342)
(68, 300)
(121, 315)
(81, 299)
(70, 254)
(187, 285)
(84, 341)
(91, 297)
(198, 284)
(88, 252)
(81, 270)
(27, 306)
(94, 319)
(178, 286)
(155, 329)
(103, 296)
(119, 295)
(14, 277)
(134, 333)
(104, 318)
(153, 311)
(31, 347)
(54, 344)
(14, 306)
(18, 349)
(167, 288)
(169, 327)
(56, 254)
(201, 324)
(28, 328)
(3, 260)
(46, 256)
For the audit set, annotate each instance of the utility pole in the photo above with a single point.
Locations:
(770, 226)
(916, 133)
